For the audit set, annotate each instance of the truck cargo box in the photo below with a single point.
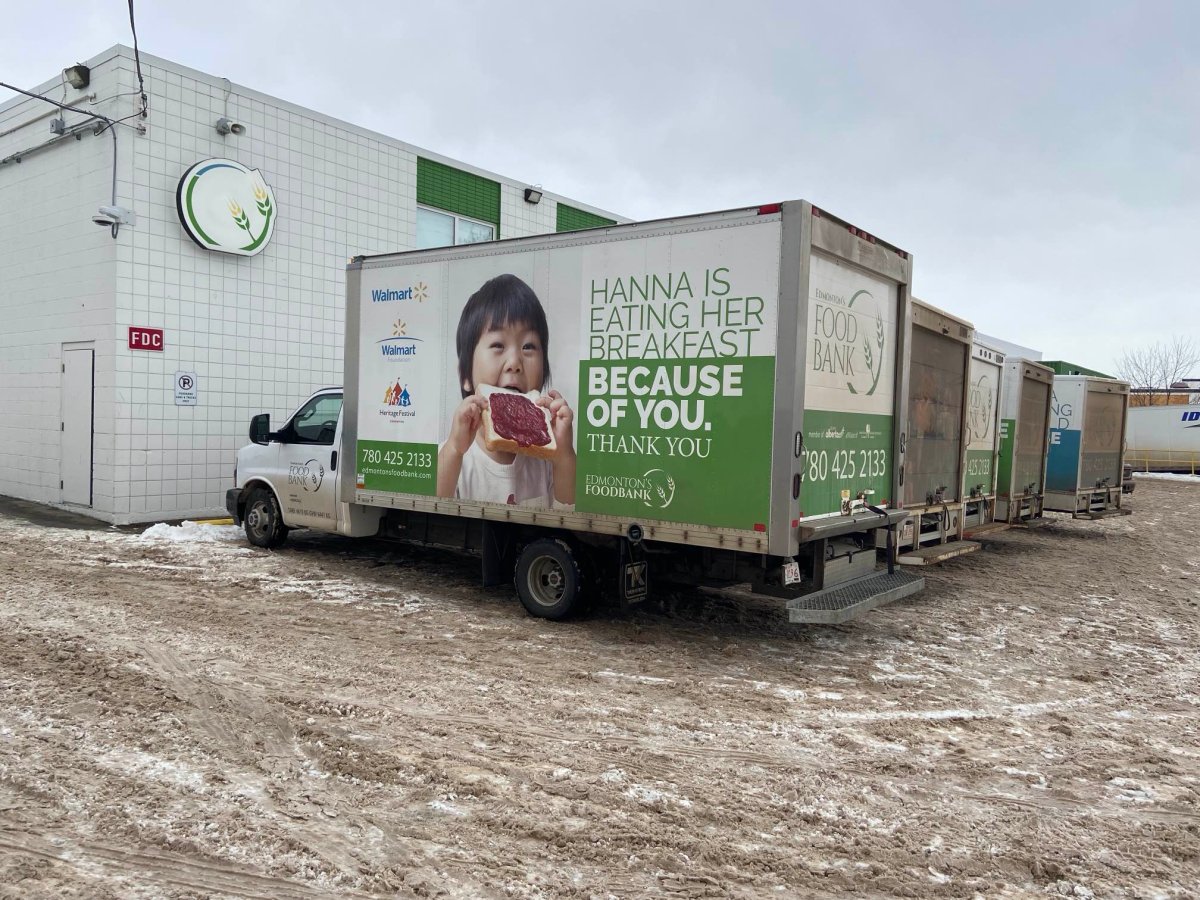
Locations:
(1087, 432)
(983, 440)
(725, 382)
(1024, 439)
(938, 394)
(1163, 438)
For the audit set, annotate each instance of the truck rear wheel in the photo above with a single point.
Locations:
(548, 579)
(264, 522)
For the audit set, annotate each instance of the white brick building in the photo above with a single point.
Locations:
(89, 421)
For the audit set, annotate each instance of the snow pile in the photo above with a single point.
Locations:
(191, 532)
(1166, 476)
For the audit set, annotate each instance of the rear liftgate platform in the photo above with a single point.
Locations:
(937, 553)
(847, 584)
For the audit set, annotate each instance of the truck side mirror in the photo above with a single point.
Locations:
(260, 428)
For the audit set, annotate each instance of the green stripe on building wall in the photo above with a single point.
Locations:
(456, 191)
(572, 219)
(1062, 367)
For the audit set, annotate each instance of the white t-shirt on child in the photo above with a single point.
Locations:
(526, 481)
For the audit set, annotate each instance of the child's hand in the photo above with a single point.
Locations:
(562, 419)
(468, 416)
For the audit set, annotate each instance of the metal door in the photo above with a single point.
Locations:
(1030, 463)
(1102, 435)
(935, 413)
(78, 407)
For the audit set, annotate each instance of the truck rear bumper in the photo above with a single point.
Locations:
(850, 599)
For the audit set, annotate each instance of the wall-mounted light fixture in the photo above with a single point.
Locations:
(78, 76)
(226, 125)
(114, 217)
(533, 195)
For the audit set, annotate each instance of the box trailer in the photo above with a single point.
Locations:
(722, 396)
(1163, 438)
(983, 441)
(1024, 440)
(931, 480)
(1084, 462)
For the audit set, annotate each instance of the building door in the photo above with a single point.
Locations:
(78, 384)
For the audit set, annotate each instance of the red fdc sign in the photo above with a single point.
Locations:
(145, 338)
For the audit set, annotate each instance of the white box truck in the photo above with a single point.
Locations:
(1024, 439)
(983, 441)
(721, 397)
(1084, 464)
(931, 479)
(1163, 438)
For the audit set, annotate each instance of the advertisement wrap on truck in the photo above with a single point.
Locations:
(850, 388)
(663, 351)
(1084, 463)
(709, 400)
(1164, 438)
(983, 439)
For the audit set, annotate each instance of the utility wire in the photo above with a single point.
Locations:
(137, 58)
(90, 115)
(86, 112)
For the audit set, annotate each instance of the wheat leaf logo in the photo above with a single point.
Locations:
(262, 200)
(239, 216)
(872, 352)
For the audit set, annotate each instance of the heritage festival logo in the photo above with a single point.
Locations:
(226, 207)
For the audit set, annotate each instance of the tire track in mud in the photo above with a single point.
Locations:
(1005, 732)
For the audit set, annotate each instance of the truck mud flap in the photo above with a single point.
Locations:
(634, 574)
(847, 601)
(499, 553)
(936, 553)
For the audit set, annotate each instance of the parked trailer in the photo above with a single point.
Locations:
(1087, 434)
(983, 441)
(727, 411)
(1024, 440)
(935, 462)
(1163, 439)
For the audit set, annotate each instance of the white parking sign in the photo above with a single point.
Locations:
(185, 389)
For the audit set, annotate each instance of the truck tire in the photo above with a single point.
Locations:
(263, 521)
(548, 579)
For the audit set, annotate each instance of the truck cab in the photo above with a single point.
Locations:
(288, 478)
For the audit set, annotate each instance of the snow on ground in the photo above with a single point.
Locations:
(184, 715)
(1166, 476)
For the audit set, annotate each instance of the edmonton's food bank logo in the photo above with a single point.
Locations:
(873, 339)
(308, 475)
(848, 339)
(979, 410)
(656, 488)
(226, 207)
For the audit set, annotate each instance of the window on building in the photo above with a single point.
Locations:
(436, 228)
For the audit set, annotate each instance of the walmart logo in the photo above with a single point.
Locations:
(418, 292)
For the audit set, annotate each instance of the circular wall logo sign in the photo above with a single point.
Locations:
(226, 207)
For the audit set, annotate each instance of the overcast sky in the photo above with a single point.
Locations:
(1039, 160)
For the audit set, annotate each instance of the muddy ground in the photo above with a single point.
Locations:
(187, 719)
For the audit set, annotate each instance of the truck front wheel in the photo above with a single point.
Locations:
(264, 522)
(548, 579)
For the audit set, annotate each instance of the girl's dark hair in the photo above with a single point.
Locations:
(503, 300)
